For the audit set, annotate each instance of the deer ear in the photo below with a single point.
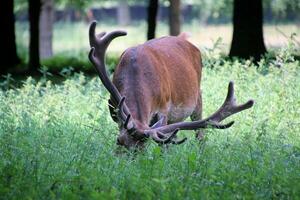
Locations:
(159, 123)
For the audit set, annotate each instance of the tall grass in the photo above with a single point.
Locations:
(58, 141)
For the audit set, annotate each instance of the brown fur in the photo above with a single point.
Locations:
(161, 76)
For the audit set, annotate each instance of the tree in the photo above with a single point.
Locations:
(152, 13)
(34, 8)
(247, 38)
(8, 55)
(123, 13)
(46, 28)
(174, 17)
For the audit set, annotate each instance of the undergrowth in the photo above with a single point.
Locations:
(57, 141)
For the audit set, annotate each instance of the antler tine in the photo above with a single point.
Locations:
(120, 108)
(123, 116)
(216, 125)
(228, 108)
(179, 141)
(102, 40)
(127, 122)
(162, 138)
(92, 35)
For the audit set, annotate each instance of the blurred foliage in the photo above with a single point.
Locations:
(281, 7)
(20, 5)
(214, 9)
(211, 8)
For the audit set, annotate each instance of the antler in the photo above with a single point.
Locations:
(165, 138)
(228, 108)
(99, 43)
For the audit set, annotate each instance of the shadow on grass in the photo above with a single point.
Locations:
(59, 67)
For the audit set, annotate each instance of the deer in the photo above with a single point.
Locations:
(155, 87)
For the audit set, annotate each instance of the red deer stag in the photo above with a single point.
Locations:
(156, 86)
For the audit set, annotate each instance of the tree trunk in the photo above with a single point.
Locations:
(174, 17)
(152, 13)
(34, 7)
(203, 16)
(123, 13)
(8, 55)
(46, 28)
(247, 40)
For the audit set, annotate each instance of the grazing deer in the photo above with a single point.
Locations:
(155, 87)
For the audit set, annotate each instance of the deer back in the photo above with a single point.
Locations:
(158, 74)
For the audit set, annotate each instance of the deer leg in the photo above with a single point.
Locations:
(197, 115)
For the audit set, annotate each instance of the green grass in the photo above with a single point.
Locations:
(57, 141)
(77, 61)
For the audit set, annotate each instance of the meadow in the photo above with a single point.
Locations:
(58, 141)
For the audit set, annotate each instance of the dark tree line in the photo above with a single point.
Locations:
(247, 40)
(8, 55)
(152, 14)
(34, 10)
(174, 17)
(247, 35)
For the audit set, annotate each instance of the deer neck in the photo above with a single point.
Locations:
(139, 109)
